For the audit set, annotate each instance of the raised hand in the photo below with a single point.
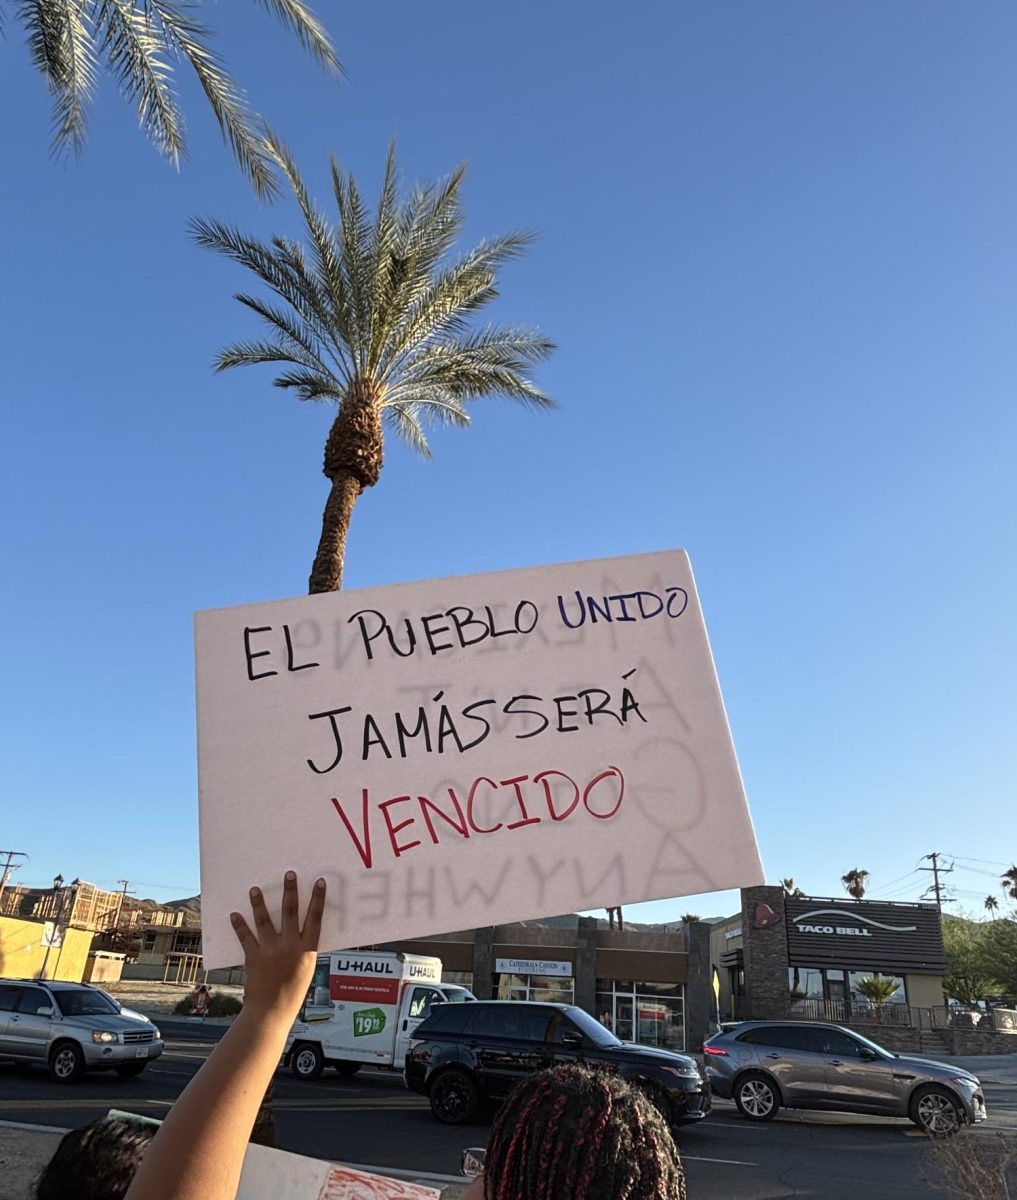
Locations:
(280, 963)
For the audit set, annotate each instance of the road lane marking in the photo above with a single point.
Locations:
(728, 1162)
(98, 1102)
(33, 1128)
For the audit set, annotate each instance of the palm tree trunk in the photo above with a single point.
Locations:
(327, 572)
(353, 457)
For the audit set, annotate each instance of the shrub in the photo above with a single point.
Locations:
(970, 1165)
(220, 1004)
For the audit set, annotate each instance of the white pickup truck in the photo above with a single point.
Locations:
(362, 1007)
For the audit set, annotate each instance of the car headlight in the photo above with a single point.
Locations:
(104, 1035)
(157, 1033)
(964, 1082)
(683, 1072)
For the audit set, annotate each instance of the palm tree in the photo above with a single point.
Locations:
(71, 42)
(991, 906)
(790, 889)
(1009, 883)
(374, 318)
(855, 881)
(690, 918)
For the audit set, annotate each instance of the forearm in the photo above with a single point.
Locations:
(199, 1152)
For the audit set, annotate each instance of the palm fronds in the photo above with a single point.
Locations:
(138, 43)
(379, 299)
(61, 47)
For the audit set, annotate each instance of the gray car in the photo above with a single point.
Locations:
(766, 1065)
(71, 1028)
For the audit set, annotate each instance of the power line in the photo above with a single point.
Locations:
(988, 862)
(900, 878)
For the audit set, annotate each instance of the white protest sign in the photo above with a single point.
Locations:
(467, 751)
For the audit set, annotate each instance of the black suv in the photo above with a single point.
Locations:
(463, 1054)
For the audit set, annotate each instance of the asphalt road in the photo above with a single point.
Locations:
(372, 1120)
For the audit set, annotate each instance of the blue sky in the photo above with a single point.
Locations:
(779, 255)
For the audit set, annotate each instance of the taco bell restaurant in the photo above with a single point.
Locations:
(816, 958)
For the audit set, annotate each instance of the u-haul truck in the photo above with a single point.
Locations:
(362, 1007)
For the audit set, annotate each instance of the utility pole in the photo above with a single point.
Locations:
(9, 866)
(124, 893)
(936, 887)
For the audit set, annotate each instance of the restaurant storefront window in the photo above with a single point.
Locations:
(547, 988)
(838, 990)
(652, 1014)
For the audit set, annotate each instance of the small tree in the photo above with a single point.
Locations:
(998, 946)
(991, 905)
(972, 957)
(690, 918)
(878, 990)
(791, 889)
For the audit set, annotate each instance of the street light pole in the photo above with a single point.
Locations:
(58, 886)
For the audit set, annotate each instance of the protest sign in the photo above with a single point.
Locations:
(467, 751)
(270, 1174)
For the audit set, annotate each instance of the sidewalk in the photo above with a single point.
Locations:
(25, 1150)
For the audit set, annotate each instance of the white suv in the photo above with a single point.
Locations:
(72, 1028)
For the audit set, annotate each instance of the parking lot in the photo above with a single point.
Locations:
(371, 1120)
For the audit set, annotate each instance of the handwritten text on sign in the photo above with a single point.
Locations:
(467, 751)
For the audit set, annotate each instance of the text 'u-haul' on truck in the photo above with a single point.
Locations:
(362, 1007)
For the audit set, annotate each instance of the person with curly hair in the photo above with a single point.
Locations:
(572, 1133)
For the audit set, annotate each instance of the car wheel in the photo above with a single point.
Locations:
(757, 1097)
(129, 1070)
(346, 1069)
(307, 1061)
(454, 1098)
(936, 1112)
(66, 1063)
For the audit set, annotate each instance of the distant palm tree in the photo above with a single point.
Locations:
(137, 42)
(855, 881)
(375, 320)
(790, 889)
(690, 918)
(1009, 883)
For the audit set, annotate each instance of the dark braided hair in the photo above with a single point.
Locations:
(572, 1133)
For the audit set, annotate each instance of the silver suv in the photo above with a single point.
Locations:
(72, 1028)
(762, 1065)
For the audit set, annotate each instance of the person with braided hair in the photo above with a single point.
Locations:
(572, 1133)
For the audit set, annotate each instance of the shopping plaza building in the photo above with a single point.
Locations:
(779, 957)
(649, 986)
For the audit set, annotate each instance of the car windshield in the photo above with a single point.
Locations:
(592, 1028)
(457, 995)
(84, 1002)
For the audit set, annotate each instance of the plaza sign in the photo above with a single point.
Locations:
(533, 966)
